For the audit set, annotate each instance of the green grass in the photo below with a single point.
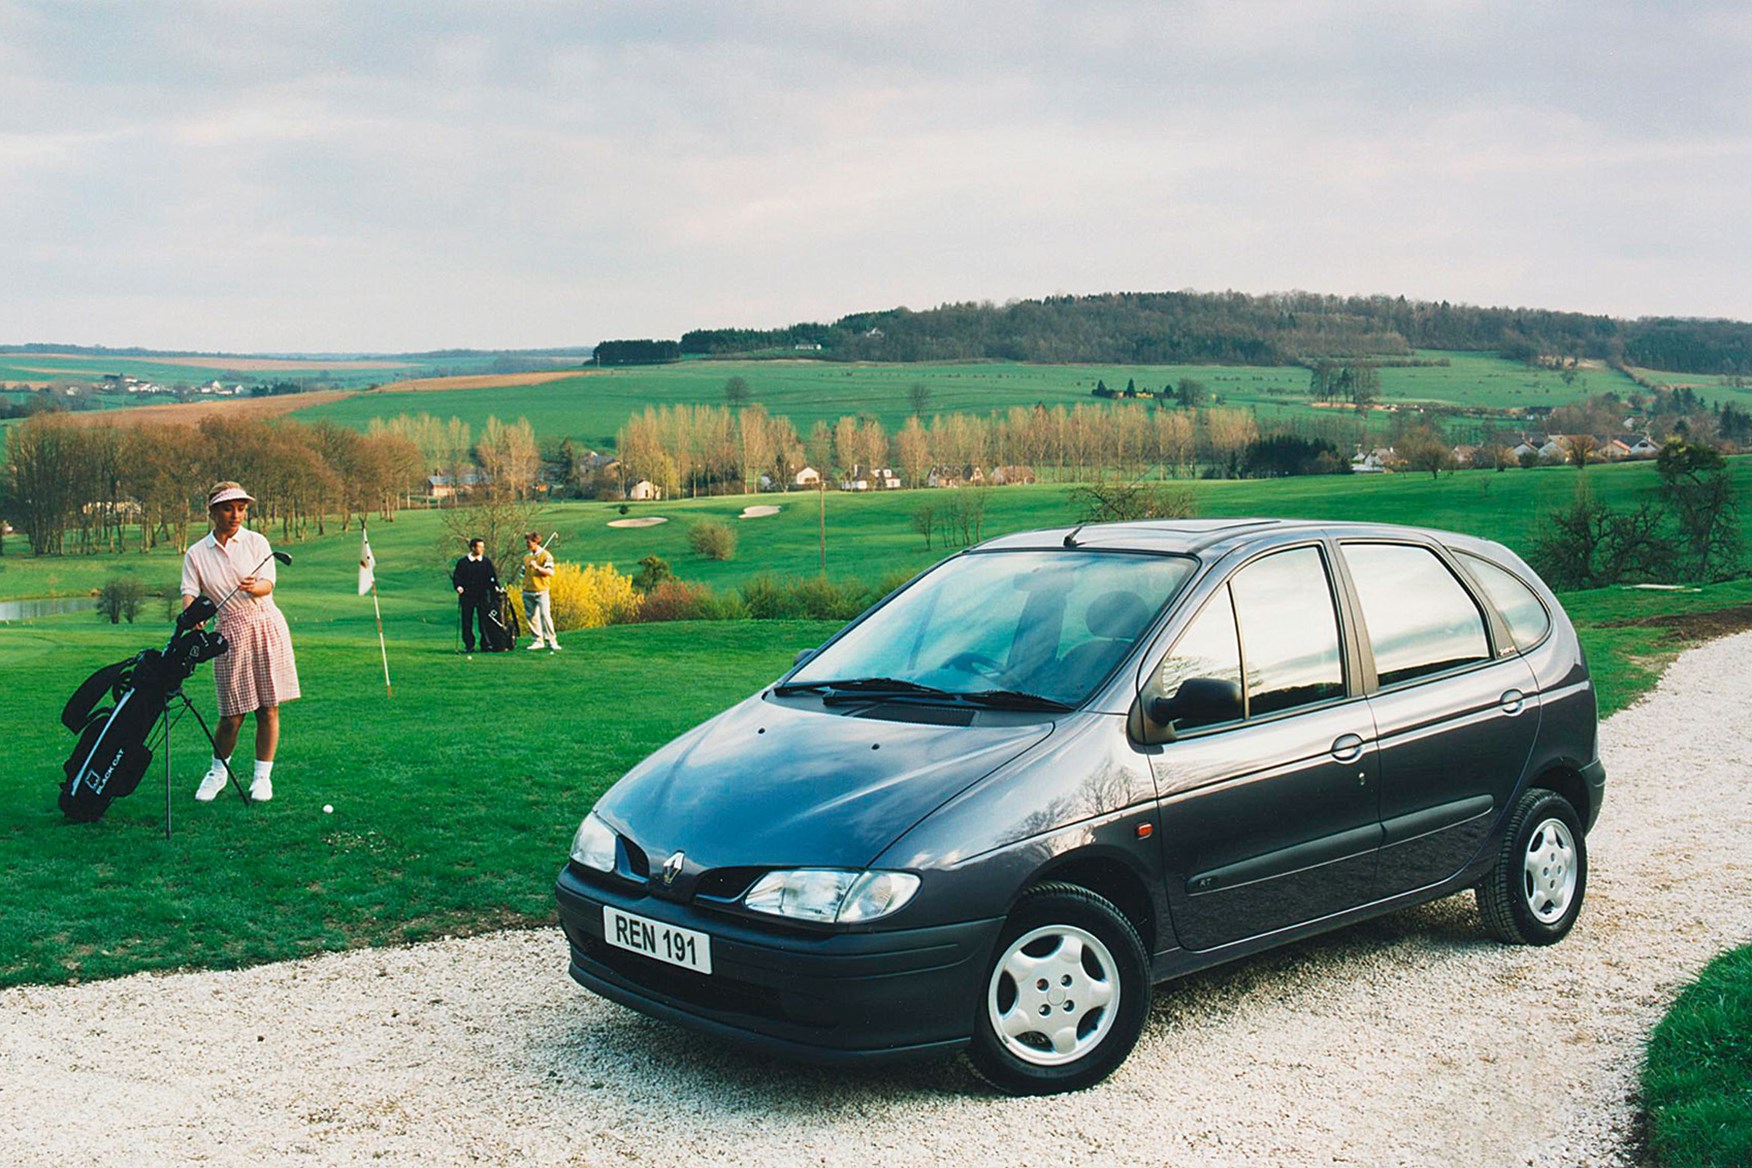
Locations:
(875, 529)
(1697, 1080)
(455, 801)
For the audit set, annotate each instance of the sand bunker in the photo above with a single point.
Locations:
(760, 511)
(645, 521)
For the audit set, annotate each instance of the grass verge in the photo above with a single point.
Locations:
(1697, 1080)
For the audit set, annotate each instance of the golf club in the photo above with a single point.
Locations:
(283, 557)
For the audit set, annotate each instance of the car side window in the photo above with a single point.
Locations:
(1420, 618)
(1208, 648)
(1289, 631)
(1519, 605)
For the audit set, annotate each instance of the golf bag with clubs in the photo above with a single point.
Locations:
(499, 632)
(114, 740)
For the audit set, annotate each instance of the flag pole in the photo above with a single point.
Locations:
(368, 578)
(381, 648)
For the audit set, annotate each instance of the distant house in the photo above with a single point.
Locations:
(854, 484)
(644, 491)
(1644, 447)
(443, 486)
(1614, 450)
(884, 479)
(807, 347)
(807, 477)
(1379, 460)
(1554, 449)
(1010, 476)
(1465, 455)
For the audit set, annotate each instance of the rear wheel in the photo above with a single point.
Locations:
(1066, 995)
(1535, 892)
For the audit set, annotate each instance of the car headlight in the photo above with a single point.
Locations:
(831, 894)
(593, 846)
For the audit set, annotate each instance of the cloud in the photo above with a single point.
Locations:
(310, 175)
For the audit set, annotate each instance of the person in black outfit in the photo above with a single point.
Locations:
(476, 585)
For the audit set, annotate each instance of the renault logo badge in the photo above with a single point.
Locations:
(672, 868)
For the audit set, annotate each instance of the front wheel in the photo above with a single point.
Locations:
(1066, 996)
(1535, 892)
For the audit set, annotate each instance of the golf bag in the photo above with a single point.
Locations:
(501, 628)
(114, 740)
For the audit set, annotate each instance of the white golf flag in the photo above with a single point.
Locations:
(366, 562)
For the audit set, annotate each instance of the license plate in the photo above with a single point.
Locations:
(683, 947)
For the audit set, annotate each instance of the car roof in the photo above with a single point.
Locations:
(1213, 538)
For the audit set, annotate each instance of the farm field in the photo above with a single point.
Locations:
(591, 407)
(195, 369)
(454, 801)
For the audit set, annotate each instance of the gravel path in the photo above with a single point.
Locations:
(1409, 1040)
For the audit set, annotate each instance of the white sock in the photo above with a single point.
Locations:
(218, 767)
(263, 769)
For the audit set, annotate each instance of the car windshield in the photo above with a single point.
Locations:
(1036, 628)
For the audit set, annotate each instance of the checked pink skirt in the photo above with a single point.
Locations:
(258, 670)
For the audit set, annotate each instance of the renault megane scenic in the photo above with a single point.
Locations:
(1064, 765)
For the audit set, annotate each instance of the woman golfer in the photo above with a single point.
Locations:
(257, 673)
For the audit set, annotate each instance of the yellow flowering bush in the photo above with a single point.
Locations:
(586, 597)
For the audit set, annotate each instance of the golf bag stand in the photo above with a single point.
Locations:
(115, 741)
(169, 724)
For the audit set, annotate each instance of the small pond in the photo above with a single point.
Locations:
(11, 610)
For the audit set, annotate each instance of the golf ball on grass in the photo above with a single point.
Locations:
(328, 808)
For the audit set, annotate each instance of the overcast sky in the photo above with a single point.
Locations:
(367, 176)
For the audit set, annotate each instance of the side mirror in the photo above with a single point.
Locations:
(1200, 701)
(802, 656)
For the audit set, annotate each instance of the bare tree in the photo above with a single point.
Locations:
(43, 455)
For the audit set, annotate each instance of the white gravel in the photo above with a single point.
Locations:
(1410, 1040)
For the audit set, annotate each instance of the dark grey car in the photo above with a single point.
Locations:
(1064, 765)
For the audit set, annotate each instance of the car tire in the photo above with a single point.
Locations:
(1065, 956)
(1534, 893)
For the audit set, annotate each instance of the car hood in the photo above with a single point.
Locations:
(768, 784)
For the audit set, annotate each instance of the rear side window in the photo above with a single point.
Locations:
(1420, 618)
(1289, 631)
(1519, 605)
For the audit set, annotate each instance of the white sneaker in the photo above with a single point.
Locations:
(261, 790)
(534, 645)
(553, 646)
(211, 784)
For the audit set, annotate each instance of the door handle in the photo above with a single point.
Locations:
(1347, 747)
(1513, 702)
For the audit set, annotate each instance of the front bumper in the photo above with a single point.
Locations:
(820, 997)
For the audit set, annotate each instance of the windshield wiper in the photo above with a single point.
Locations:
(864, 687)
(1014, 699)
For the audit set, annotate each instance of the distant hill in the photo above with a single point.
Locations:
(1236, 328)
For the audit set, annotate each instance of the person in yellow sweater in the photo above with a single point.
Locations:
(538, 572)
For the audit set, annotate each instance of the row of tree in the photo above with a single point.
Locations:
(1236, 328)
(77, 486)
(707, 449)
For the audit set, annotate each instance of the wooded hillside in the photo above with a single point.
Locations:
(1237, 328)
